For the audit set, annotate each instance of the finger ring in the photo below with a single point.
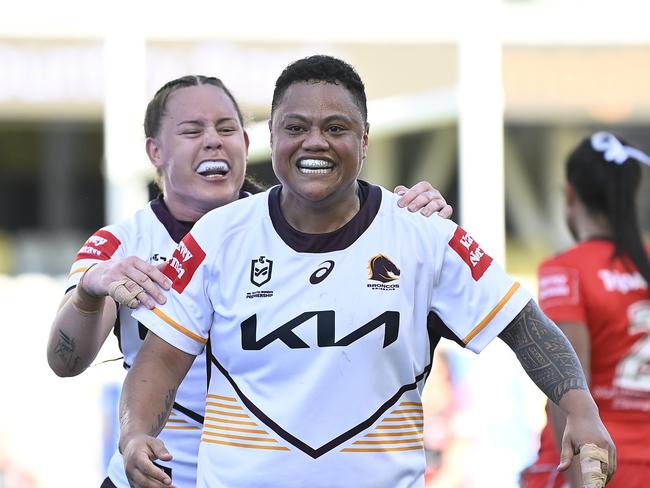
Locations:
(121, 293)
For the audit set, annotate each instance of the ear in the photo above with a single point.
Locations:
(271, 132)
(246, 141)
(364, 142)
(153, 151)
(570, 195)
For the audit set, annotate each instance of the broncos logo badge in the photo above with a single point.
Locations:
(383, 269)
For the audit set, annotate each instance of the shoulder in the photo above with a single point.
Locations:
(113, 240)
(143, 224)
(241, 207)
(410, 221)
(142, 217)
(243, 213)
(585, 254)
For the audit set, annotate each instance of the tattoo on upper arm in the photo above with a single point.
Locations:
(162, 416)
(544, 352)
(65, 350)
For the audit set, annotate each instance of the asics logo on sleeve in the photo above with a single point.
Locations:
(324, 270)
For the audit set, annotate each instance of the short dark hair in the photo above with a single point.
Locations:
(608, 188)
(323, 68)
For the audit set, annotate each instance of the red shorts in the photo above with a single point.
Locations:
(631, 476)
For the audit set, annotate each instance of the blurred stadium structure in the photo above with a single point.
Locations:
(482, 98)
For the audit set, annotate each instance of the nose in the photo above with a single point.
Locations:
(211, 138)
(315, 140)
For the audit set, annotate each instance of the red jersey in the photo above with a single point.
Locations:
(585, 285)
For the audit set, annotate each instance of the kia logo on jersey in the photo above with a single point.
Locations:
(101, 245)
(261, 269)
(325, 268)
(184, 262)
(382, 269)
(470, 252)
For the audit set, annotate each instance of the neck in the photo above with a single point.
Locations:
(183, 213)
(591, 226)
(323, 216)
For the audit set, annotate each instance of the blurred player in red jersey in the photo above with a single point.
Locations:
(597, 292)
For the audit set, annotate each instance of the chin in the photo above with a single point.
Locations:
(223, 196)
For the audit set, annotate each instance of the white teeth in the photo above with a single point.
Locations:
(212, 167)
(314, 164)
(307, 171)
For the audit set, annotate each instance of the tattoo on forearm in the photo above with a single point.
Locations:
(162, 416)
(65, 350)
(544, 352)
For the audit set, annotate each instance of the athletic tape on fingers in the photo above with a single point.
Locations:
(593, 463)
(123, 295)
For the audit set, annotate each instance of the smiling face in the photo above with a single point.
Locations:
(200, 150)
(318, 142)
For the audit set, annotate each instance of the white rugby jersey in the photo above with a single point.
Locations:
(151, 234)
(320, 344)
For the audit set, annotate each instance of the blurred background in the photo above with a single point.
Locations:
(483, 98)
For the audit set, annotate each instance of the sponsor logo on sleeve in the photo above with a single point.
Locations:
(615, 281)
(187, 257)
(470, 252)
(101, 246)
(558, 286)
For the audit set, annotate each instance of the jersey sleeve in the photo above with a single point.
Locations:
(184, 320)
(474, 297)
(101, 246)
(559, 293)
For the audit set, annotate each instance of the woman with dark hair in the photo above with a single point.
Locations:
(597, 292)
(196, 140)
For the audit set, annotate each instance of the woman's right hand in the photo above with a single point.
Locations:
(132, 273)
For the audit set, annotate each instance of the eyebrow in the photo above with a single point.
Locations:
(329, 118)
(199, 122)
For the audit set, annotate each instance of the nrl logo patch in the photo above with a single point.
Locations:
(261, 269)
